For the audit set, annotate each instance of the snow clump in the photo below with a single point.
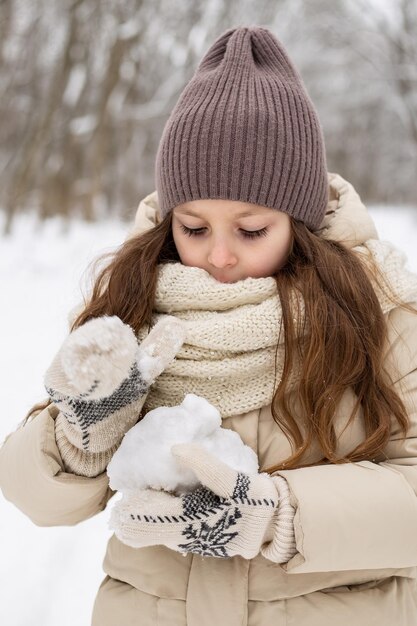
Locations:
(144, 459)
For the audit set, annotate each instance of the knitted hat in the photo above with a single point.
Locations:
(244, 128)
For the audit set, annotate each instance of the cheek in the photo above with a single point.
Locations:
(285, 246)
(283, 250)
(272, 257)
(284, 239)
(185, 249)
(178, 243)
(186, 256)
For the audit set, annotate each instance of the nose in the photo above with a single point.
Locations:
(221, 255)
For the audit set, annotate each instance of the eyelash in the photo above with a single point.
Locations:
(248, 234)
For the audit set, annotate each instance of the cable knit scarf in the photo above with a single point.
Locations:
(233, 355)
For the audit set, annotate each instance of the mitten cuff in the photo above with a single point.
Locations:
(106, 433)
(282, 547)
(77, 461)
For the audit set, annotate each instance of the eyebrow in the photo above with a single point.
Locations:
(242, 214)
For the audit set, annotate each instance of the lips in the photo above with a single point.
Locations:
(222, 279)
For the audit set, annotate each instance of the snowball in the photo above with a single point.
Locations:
(144, 459)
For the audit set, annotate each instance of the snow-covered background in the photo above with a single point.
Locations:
(50, 576)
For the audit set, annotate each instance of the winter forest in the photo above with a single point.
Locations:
(88, 85)
(86, 88)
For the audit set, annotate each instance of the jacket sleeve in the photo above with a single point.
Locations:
(364, 515)
(32, 476)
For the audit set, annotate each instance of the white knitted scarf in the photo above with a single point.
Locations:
(233, 355)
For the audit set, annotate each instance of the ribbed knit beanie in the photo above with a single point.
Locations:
(244, 128)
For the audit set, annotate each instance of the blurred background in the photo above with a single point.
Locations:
(86, 87)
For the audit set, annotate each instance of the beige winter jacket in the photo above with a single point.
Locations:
(356, 524)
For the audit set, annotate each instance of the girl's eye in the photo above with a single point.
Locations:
(252, 234)
(192, 231)
(248, 234)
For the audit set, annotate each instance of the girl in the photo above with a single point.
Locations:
(264, 276)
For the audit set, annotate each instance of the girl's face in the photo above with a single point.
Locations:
(231, 240)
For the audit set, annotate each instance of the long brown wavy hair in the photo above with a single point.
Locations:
(343, 348)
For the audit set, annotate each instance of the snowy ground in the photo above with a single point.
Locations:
(49, 576)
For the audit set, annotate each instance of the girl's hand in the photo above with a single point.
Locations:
(100, 377)
(98, 356)
(230, 514)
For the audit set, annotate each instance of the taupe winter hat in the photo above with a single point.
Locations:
(244, 128)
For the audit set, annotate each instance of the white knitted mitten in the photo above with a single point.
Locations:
(99, 379)
(230, 514)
